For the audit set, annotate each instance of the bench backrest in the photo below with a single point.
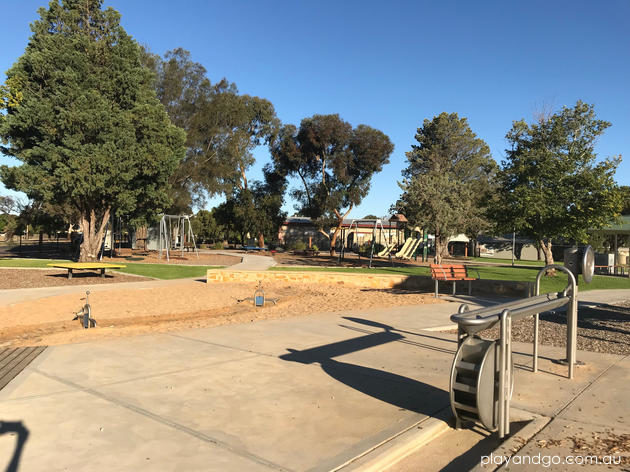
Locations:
(448, 272)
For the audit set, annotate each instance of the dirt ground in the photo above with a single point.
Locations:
(31, 278)
(602, 328)
(185, 304)
(175, 257)
(351, 259)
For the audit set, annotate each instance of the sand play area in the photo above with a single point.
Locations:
(131, 310)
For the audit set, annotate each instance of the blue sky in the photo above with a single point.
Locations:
(392, 64)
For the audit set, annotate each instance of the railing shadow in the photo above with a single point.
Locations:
(17, 428)
(402, 392)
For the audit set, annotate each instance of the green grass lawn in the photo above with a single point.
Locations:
(523, 274)
(30, 263)
(509, 261)
(158, 271)
(166, 272)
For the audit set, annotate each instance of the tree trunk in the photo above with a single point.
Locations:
(538, 252)
(261, 240)
(92, 235)
(335, 235)
(546, 249)
(440, 247)
(333, 239)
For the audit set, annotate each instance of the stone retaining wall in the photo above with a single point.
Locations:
(353, 280)
(502, 288)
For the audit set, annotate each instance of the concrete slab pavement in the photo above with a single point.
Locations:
(298, 394)
(310, 393)
(600, 412)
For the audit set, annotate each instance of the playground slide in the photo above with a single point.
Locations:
(385, 252)
(403, 250)
(412, 249)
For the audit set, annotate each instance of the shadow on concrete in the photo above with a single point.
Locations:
(472, 457)
(376, 324)
(15, 428)
(403, 340)
(402, 392)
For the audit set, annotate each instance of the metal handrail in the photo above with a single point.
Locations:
(470, 322)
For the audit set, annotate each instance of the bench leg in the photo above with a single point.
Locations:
(470, 287)
(436, 289)
(102, 273)
(69, 274)
(454, 287)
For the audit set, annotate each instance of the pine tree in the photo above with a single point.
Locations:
(83, 118)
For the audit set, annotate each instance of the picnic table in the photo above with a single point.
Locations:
(70, 266)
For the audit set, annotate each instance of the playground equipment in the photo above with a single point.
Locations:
(386, 250)
(113, 235)
(378, 224)
(482, 371)
(85, 313)
(403, 250)
(412, 249)
(174, 235)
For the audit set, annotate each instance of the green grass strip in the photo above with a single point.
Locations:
(166, 272)
(158, 271)
(31, 263)
(521, 274)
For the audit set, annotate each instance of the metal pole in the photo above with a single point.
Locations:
(513, 243)
(615, 259)
(572, 311)
(572, 318)
(536, 322)
(508, 373)
(502, 349)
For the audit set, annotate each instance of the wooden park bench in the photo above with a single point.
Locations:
(451, 273)
(86, 266)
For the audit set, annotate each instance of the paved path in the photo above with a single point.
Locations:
(254, 262)
(309, 393)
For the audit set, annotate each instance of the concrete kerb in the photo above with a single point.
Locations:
(514, 443)
(391, 451)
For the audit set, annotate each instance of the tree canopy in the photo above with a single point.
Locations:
(447, 180)
(222, 126)
(552, 185)
(335, 164)
(257, 209)
(83, 118)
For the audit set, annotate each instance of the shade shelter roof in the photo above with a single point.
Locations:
(620, 227)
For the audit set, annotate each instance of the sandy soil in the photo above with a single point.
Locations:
(186, 304)
(31, 278)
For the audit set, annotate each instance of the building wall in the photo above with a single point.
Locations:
(290, 233)
(502, 250)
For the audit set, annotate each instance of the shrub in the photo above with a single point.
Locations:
(218, 245)
(315, 248)
(299, 246)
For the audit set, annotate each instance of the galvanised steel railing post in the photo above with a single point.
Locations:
(571, 316)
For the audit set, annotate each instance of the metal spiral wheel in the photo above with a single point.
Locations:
(474, 383)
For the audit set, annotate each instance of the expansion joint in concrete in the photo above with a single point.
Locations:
(166, 422)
